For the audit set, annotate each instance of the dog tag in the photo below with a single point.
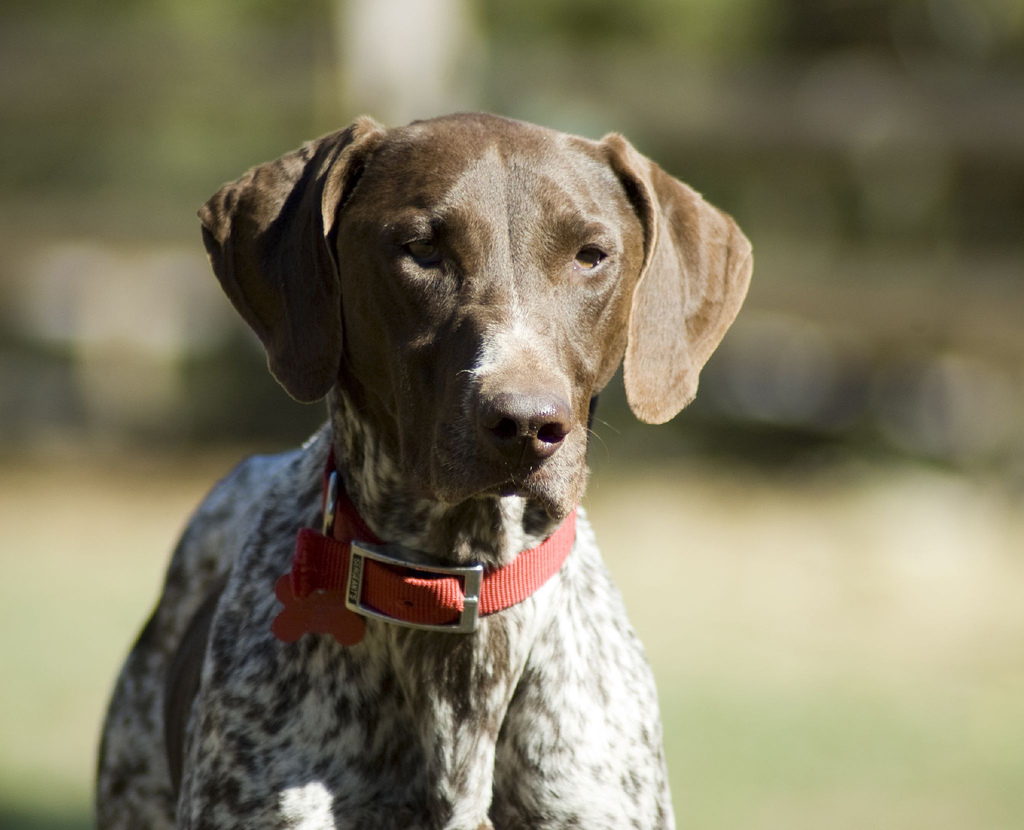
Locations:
(319, 612)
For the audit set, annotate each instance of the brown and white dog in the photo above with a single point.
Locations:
(459, 290)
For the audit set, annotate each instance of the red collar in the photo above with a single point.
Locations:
(346, 573)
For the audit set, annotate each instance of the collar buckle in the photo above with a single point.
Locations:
(472, 579)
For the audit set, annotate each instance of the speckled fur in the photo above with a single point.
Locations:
(546, 716)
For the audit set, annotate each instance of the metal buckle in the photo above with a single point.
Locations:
(472, 579)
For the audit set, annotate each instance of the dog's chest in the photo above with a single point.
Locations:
(545, 717)
(539, 753)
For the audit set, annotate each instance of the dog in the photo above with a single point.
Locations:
(459, 290)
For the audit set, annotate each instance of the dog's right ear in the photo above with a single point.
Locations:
(269, 236)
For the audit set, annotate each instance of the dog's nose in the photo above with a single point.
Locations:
(527, 427)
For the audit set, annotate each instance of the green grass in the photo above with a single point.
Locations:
(844, 652)
(834, 758)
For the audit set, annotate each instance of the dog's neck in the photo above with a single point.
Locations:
(491, 530)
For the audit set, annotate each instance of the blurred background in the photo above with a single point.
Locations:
(824, 554)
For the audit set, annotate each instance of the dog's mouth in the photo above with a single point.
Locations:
(527, 484)
(464, 463)
(543, 482)
(510, 488)
(523, 479)
(539, 485)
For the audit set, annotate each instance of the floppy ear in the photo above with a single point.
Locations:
(269, 237)
(697, 266)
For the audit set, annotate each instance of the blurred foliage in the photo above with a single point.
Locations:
(180, 12)
(987, 30)
(746, 29)
(113, 99)
(708, 28)
(870, 149)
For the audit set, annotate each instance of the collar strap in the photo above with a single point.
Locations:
(345, 574)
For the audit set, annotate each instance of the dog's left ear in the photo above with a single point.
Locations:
(269, 237)
(696, 269)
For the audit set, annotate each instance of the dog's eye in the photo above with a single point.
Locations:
(589, 257)
(424, 251)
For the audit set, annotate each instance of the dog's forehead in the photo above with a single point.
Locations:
(469, 136)
(487, 158)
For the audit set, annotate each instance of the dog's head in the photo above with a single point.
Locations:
(472, 283)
